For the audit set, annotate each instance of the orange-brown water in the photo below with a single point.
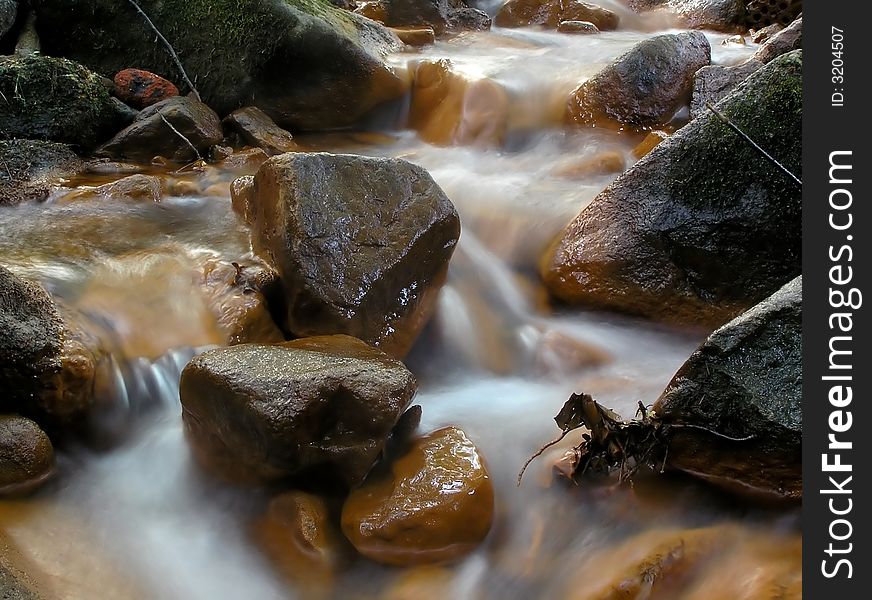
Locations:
(137, 520)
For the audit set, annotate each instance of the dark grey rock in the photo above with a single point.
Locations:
(745, 383)
(714, 82)
(320, 406)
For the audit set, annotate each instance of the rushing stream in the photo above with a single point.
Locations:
(138, 520)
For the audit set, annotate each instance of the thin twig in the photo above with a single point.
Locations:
(713, 432)
(538, 454)
(169, 47)
(754, 144)
(181, 135)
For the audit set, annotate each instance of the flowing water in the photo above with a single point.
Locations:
(138, 520)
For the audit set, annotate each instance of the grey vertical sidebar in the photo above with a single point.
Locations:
(837, 408)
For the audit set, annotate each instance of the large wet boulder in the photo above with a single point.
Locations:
(56, 100)
(47, 368)
(442, 15)
(720, 15)
(644, 87)
(26, 455)
(550, 13)
(735, 406)
(703, 226)
(32, 167)
(436, 504)
(361, 244)
(305, 63)
(177, 128)
(320, 406)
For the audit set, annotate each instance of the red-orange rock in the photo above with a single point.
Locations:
(140, 88)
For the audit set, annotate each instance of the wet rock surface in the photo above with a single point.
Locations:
(305, 63)
(436, 504)
(550, 13)
(713, 83)
(55, 100)
(745, 383)
(32, 168)
(442, 15)
(322, 406)
(701, 228)
(147, 188)
(252, 127)
(644, 87)
(361, 244)
(177, 128)
(298, 535)
(786, 40)
(47, 369)
(719, 15)
(26, 455)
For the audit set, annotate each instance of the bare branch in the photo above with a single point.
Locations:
(169, 48)
(181, 135)
(723, 118)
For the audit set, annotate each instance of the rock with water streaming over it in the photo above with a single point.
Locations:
(305, 63)
(435, 505)
(298, 535)
(644, 87)
(252, 127)
(744, 381)
(702, 227)
(26, 455)
(550, 13)
(140, 88)
(577, 27)
(146, 188)
(31, 168)
(361, 244)
(47, 368)
(321, 407)
(55, 100)
(178, 129)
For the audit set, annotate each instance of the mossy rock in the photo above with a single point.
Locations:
(703, 226)
(56, 100)
(30, 167)
(305, 63)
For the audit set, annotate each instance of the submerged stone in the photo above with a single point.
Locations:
(435, 505)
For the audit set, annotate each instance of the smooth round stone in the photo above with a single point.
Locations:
(26, 455)
(435, 505)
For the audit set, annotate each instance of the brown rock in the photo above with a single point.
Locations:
(786, 40)
(603, 163)
(447, 108)
(32, 168)
(361, 244)
(550, 13)
(649, 143)
(435, 505)
(416, 36)
(322, 406)
(298, 536)
(237, 294)
(441, 15)
(254, 128)
(240, 196)
(644, 87)
(146, 188)
(140, 88)
(152, 132)
(47, 366)
(764, 34)
(26, 455)
(584, 27)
